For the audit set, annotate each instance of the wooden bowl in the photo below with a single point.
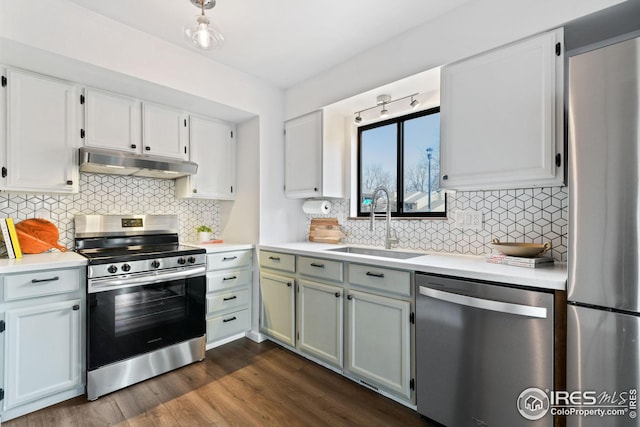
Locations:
(525, 250)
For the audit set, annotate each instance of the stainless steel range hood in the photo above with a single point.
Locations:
(113, 162)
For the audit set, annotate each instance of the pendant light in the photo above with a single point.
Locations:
(202, 34)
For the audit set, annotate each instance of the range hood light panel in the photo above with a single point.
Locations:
(98, 160)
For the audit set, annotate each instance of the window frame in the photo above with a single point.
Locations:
(399, 121)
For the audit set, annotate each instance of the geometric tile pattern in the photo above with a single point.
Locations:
(533, 215)
(113, 194)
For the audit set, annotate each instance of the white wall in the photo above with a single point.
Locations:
(71, 32)
(472, 28)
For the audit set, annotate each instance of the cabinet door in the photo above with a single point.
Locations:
(277, 311)
(42, 134)
(303, 156)
(42, 351)
(213, 148)
(112, 121)
(320, 321)
(164, 131)
(379, 326)
(501, 117)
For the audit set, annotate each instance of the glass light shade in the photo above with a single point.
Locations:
(202, 35)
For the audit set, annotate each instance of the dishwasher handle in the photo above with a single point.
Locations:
(485, 304)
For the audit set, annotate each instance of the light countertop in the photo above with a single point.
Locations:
(42, 261)
(552, 277)
(221, 247)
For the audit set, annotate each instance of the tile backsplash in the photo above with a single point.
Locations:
(113, 194)
(536, 215)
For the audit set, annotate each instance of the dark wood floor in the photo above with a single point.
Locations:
(238, 384)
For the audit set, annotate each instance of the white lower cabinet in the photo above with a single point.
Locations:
(379, 342)
(43, 347)
(320, 321)
(360, 322)
(228, 296)
(43, 314)
(277, 309)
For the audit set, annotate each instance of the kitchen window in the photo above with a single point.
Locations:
(403, 155)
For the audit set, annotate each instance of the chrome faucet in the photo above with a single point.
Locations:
(388, 240)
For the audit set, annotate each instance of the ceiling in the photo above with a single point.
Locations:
(282, 42)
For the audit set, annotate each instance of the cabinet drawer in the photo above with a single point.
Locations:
(219, 280)
(227, 300)
(234, 259)
(278, 261)
(41, 283)
(227, 325)
(384, 279)
(321, 268)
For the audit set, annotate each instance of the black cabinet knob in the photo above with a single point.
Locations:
(445, 177)
(337, 294)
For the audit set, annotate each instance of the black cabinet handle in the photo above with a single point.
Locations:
(274, 258)
(289, 284)
(315, 188)
(337, 294)
(445, 177)
(313, 264)
(229, 320)
(229, 278)
(229, 298)
(51, 279)
(349, 297)
(147, 148)
(379, 275)
(230, 258)
(75, 307)
(134, 146)
(69, 182)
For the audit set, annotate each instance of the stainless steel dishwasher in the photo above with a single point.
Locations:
(479, 346)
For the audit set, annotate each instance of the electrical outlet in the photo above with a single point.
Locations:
(469, 220)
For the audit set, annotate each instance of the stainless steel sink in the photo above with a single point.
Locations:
(377, 252)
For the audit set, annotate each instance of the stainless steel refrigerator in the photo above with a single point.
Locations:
(603, 343)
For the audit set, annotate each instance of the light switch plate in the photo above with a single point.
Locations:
(469, 220)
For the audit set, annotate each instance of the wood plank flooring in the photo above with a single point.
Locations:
(238, 384)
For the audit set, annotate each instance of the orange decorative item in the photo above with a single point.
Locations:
(37, 235)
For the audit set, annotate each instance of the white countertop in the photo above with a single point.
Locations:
(221, 247)
(467, 266)
(42, 261)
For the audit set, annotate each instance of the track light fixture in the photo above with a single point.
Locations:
(383, 101)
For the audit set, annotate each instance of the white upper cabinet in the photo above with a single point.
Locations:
(112, 121)
(314, 157)
(164, 131)
(118, 122)
(502, 117)
(42, 134)
(213, 148)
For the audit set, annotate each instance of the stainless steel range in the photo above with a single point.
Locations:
(146, 299)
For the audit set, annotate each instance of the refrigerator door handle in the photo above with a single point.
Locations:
(484, 304)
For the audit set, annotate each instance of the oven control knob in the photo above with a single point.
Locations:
(191, 260)
(155, 263)
(125, 267)
(182, 261)
(112, 269)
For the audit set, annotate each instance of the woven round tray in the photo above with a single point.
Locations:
(526, 250)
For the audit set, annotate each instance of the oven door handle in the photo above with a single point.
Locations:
(485, 304)
(100, 284)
